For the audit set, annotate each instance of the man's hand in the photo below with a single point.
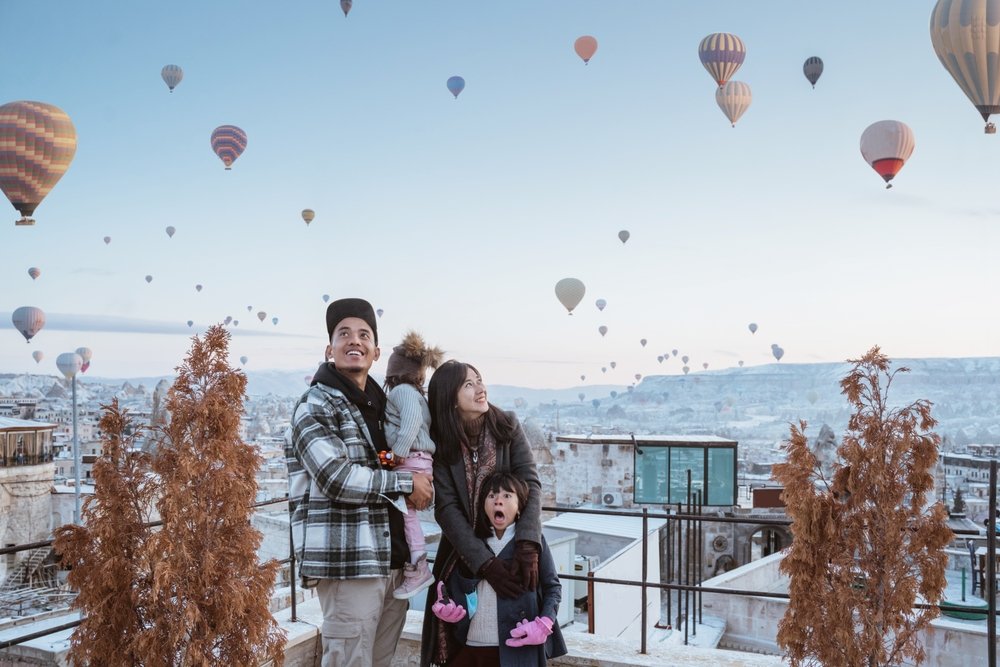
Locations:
(423, 491)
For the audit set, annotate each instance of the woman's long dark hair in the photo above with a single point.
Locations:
(446, 425)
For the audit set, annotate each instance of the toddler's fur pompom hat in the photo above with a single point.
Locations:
(412, 355)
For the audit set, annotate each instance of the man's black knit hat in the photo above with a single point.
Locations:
(341, 309)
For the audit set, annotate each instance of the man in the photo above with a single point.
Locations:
(348, 536)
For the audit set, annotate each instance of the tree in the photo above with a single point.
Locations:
(865, 543)
(958, 506)
(190, 593)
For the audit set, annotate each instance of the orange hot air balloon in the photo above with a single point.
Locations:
(37, 144)
(585, 47)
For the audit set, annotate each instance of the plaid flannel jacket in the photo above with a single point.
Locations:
(337, 491)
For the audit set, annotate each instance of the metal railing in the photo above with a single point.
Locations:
(688, 516)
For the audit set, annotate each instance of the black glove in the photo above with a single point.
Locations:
(500, 578)
(526, 563)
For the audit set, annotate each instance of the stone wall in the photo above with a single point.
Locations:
(25, 506)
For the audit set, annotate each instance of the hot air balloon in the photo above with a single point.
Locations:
(198, 288)
(585, 47)
(601, 303)
(69, 364)
(673, 352)
(37, 143)
(172, 75)
(686, 370)
(228, 142)
(86, 354)
(613, 365)
(614, 394)
(642, 341)
(456, 85)
(603, 329)
(812, 68)
(308, 214)
(171, 230)
(623, 236)
(149, 279)
(583, 378)
(886, 146)
(659, 358)
(722, 54)
(190, 323)
(326, 297)
(37, 355)
(570, 292)
(244, 360)
(777, 352)
(604, 369)
(740, 362)
(261, 315)
(581, 396)
(685, 359)
(734, 99)
(704, 365)
(966, 40)
(752, 327)
(34, 272)
(274, 321)
(638, 376)
(107, 240)
(379, 312)
(229, 318)
(345, 6)
(236, 323)
(29, 320)
(249, 309)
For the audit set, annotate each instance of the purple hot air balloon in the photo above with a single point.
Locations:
(722, 54)
(456, 85)
(228, 142)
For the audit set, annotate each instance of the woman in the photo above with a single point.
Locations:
(475, 438)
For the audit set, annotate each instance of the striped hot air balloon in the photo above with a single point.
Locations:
(886, 146)
(734, 99)
(172, 75)
(37, 143)
(722, 54)
(29, 320)
(308, 215)
(34, 272)
(966, 38)
(812, 68)
(228, 142)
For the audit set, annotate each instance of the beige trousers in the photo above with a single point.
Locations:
(361, 620)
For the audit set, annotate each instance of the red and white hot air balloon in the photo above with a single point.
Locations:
(886, 146)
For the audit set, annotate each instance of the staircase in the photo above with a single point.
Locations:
(27, 572)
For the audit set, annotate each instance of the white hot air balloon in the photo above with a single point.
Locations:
(172, 75)
(29, 320)
(37, 355)
(69, 364)
(886, 146)
(734, 99)
(570, 293)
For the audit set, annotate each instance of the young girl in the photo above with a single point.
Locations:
(500, 631)
(407, 429)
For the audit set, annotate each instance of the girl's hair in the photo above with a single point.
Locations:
(446, 424)
(416, 379)
(494, 483)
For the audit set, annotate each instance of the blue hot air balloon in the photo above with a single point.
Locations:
(456, 85)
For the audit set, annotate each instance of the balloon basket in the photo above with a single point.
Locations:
(990, 129)
(25, 222)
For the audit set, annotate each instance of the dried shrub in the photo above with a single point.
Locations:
(192, 592)
(865, 543)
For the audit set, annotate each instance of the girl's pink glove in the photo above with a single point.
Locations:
(449, 612)
(530, 633)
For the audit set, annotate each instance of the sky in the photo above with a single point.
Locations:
(458, 216)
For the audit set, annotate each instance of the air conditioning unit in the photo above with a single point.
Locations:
(612, 499)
